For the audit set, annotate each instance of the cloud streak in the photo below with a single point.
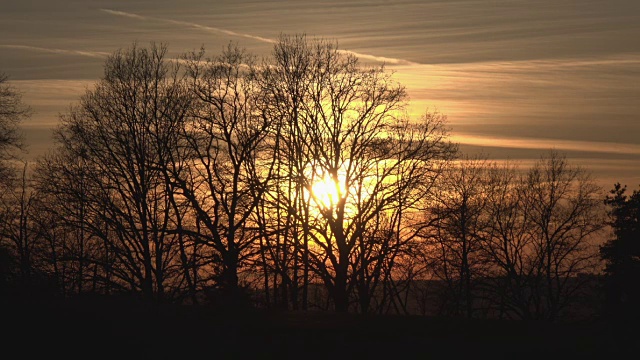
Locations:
(542, 144)
(93, 54)
(382, 59)
(196, 26)
(122, 13)
(188, 24)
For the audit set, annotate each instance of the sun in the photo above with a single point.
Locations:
(326, 191)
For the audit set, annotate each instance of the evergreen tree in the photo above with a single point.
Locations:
(622, 252)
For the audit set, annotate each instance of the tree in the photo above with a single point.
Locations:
(507, 244)
(459, 205)
(78, 250)
(542, 237)
(117, 143)
(354, 155)
(563, 203)
(226, 172)
(16, 229)
(12, 112)
(622, 253)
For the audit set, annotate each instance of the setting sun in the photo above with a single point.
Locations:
(326, 191)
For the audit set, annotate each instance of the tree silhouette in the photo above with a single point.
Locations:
(17, 229)
(15, 194)
(460, 205)
(350, 132)
(541, 238)
(510, 242)
(622, 253)
(562, 203)
(12, 112)
(120, 135)
(301, 178)
(227, 171)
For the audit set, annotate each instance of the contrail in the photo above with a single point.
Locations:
(94, 54)
(249, 36)
(380, 58)
(189, 24)
(122, 13)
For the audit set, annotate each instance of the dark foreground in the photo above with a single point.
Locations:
(115, 330)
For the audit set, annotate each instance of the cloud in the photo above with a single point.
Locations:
(383, 59)
(188, 24)
(196, 26)
(93, 54)
(534, 143)
(49, 97)
(122, 13)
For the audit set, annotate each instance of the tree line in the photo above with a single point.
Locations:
(295, 181)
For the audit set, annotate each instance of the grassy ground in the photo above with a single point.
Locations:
(131, 331)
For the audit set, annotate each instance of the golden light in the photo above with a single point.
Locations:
(326, 191)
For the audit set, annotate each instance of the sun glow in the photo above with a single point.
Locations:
(326, 191)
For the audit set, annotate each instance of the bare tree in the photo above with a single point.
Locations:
(12, 112)
(459, 206)
(16, 229)
(285, 81)
(565, 212)
(507, 244)
(351, 139)
(542, 237)
(227, 168)
(122, 133)
(75, 232)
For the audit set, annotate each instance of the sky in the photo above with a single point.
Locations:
(515, 78)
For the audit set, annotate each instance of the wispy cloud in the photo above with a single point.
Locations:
(125, 14)
(214, 29)
(542, 144)
(196, 26)
(189, 25)
(382, 59)
(94, 54)
(530, 68)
